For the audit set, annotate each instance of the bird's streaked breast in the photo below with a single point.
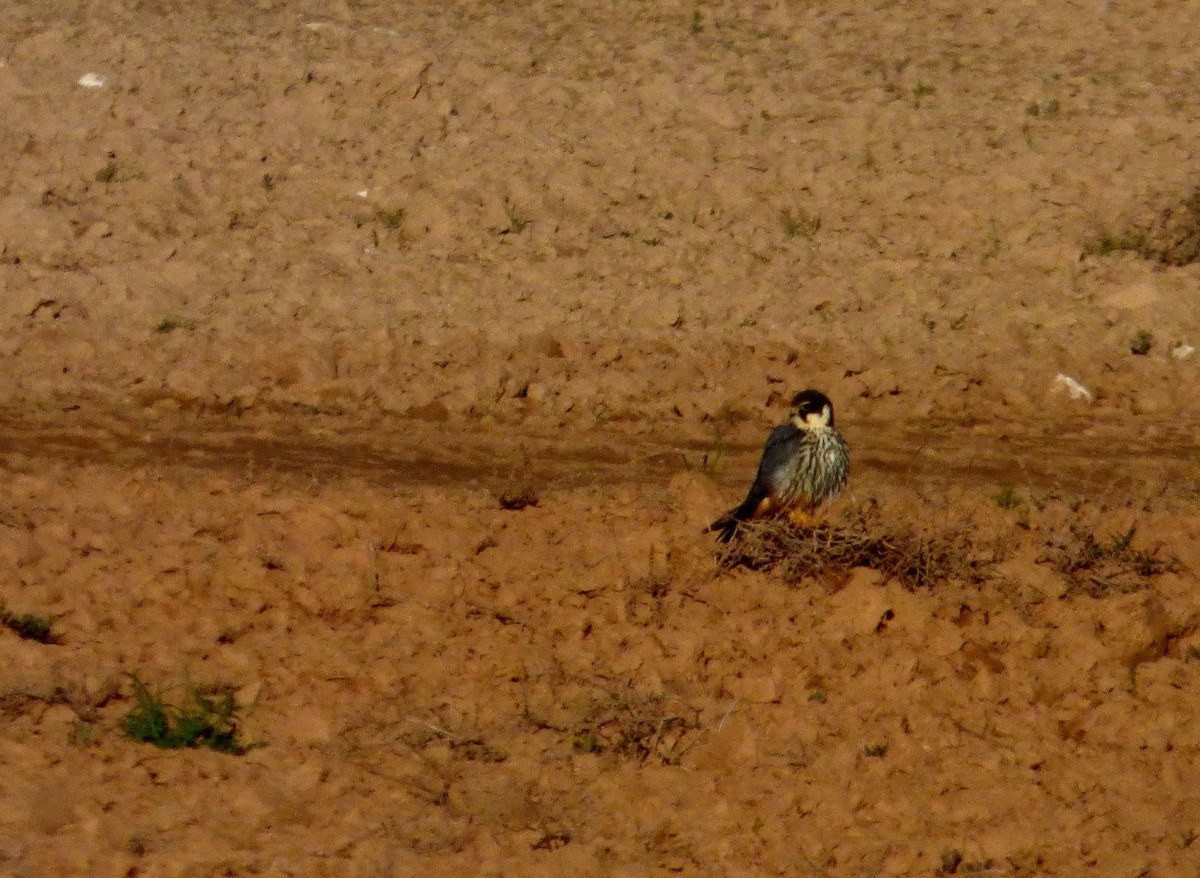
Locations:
(819, 468)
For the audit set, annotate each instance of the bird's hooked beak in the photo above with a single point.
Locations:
(817, 420)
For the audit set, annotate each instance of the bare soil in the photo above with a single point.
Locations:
(384, 364)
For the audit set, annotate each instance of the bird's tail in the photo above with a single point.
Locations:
(728, 523)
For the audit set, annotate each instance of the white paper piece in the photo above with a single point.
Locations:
(1077, 390)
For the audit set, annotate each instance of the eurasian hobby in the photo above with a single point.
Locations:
(804, 464)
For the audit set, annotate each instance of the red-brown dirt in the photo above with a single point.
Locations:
(294, 294)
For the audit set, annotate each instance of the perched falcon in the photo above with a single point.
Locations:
(804, 463)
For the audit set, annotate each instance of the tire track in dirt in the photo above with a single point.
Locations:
(1069, 458)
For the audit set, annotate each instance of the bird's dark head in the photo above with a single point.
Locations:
(811, 409)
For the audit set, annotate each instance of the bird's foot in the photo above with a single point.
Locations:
(805, 520)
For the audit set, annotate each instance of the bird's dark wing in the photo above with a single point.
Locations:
(782, 444)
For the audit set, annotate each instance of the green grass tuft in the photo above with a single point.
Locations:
(1109, 243)
(1141, 343)
(1046, 109)
(950, 861)
(922, 90)
(170, 324)
(1007, 497)
(208, 720)
(392, 220)
(516, 222)
(30, 626)
(799, 223)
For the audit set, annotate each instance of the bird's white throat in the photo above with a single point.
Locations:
(813, 420)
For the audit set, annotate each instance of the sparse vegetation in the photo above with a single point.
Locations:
(30, 626)
(993, 243)
(1007, 497)
(552, 840)
(1113, 242)
(921, 90)
(799, 223)
(875, 751)
(953, 863)
(170, 324)
(1141, 343)
(916, 560)
(1044, 109)
(639, 728)
(392, 220)
(518, 497)
(207, 720)
(712, 461)
(476, 750)
(1100, 568)
(1167, 233)
(1171, 236)
(108, 173)
(516, 222)
(950, 861)
(83, 734)
(420, 735)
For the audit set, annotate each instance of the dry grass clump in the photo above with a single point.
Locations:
(917, 560)
(1167, 233)
(1172, 236)
(517, 497)
(419, 735)
(639, 728)
(1111, 567)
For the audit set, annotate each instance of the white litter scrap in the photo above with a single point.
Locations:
(93, 80)
(363, 193)
(1182, 351)
(1077, 390)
